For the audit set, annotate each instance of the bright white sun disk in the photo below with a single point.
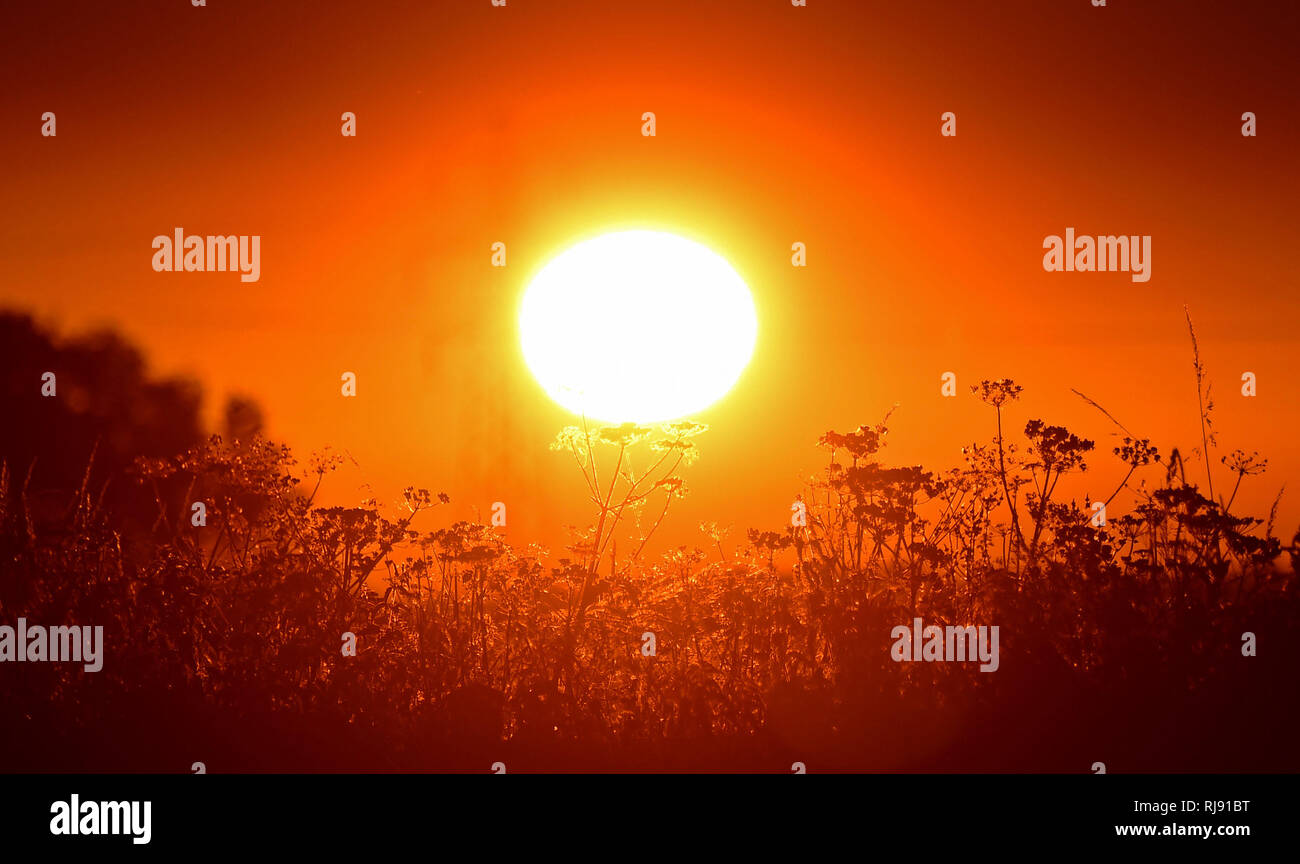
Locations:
(637, 326)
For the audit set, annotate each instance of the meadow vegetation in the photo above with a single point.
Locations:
(1120, 643)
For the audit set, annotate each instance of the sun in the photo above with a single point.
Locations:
(637, 326)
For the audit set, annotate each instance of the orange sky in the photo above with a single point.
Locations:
(775, 124)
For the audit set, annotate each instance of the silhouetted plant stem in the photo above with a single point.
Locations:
(1006, 490)
(1200, 401)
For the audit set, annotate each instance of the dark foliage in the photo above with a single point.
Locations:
(1120, 643)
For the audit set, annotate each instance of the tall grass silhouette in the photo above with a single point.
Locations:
(1120, 642)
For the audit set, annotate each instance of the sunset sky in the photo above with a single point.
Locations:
(776, 124)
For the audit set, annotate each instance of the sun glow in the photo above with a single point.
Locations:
(637, 326)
